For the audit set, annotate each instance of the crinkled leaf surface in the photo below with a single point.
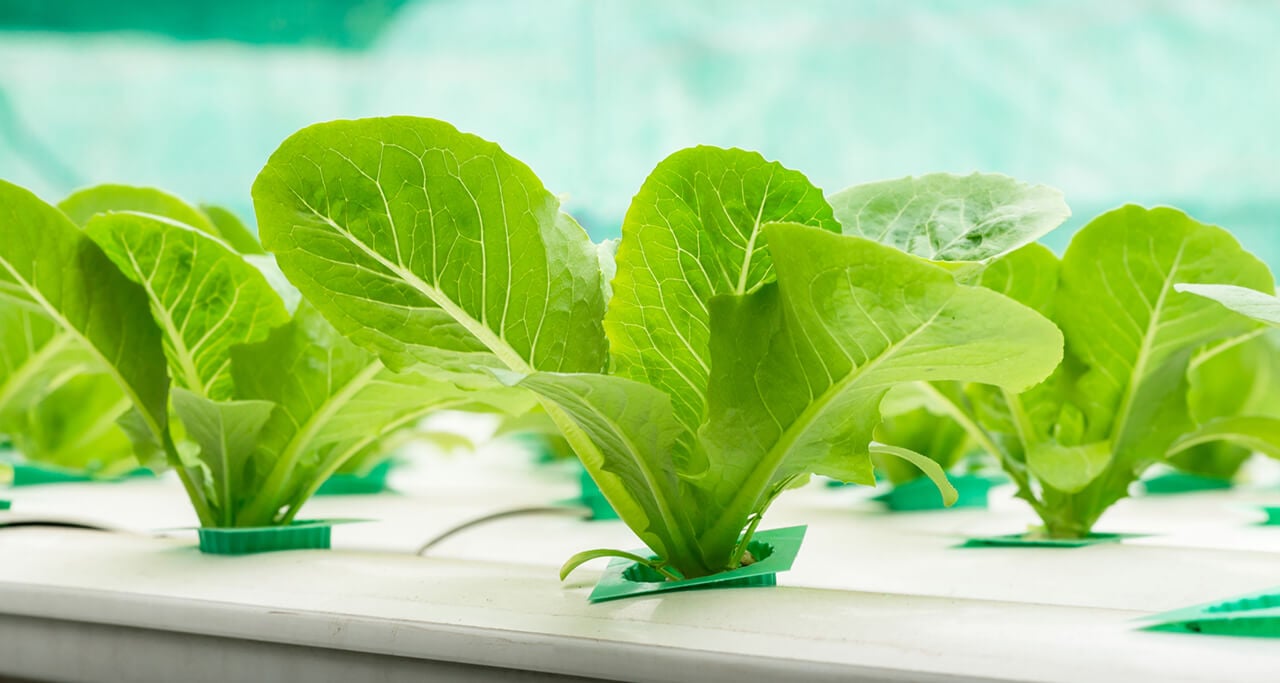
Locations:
(947, 217)
(431, 246)
(204, 297)
(694, 231)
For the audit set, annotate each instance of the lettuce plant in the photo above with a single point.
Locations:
(735, 343)
(962, 222)
(253, 405)
(1122, 398)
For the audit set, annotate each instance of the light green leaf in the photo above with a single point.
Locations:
(1260, 434)
(1068, 468)
(33, 350)
(639, 450)
(434, 247)
(947, 217)
(227, 433)
(232, 230)
(336, 402)
(73, 425)
(1130, 337)
(802, 367)
(1124, 320)
(1260, 306)
(1028, 275)
(936, 436)
(204, 297)
(1234, 378)
(694, 231)
(929, 467)
(54, 267)
(84, 204)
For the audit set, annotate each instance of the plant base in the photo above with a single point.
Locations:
(1181, 482)
(1032, 541)
(920, 494)
(1256, 615)
(370, 483)
(777, 549)
(304, 535)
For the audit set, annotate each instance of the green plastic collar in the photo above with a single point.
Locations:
(301, 535)
(1032, 541)
(920, 494)
(1256, 615)
(626, 579)
(372, 482)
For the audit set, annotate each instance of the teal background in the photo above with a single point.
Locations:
(1152, 102)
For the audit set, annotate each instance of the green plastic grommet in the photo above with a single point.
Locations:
(1181, 482)
(593, 498)
(1034, 541)
(26, 474)
(920, 494)
(372, 482)
(304, 535)
(1256, 615)
(1273, 514)
(775, 551)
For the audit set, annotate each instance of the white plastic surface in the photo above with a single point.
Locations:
(873, 596)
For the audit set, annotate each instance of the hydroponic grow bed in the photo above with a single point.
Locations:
(875, 595)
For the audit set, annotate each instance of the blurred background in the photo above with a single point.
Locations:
(1156, 102)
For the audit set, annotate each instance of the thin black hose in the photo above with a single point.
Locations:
(574, 511)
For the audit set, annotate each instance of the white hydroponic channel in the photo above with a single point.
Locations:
(873, 595)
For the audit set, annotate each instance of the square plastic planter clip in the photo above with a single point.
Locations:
(775, 549)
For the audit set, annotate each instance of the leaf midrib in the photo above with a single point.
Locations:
(494, 342)
(186, 361)
(1139, 368)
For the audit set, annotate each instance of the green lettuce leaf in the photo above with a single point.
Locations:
(232, 229)
(433, 248)
(335, 401)
(695, 230)
(48, 264)
(204, 297)
(82, 205)
(809, 361)
(947, 217)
